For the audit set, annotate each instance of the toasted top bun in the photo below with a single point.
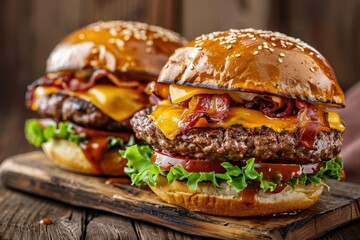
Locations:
(116, 46)
(255, 61)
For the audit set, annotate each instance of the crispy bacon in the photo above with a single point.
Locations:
(311, 121)
(213, 108)
(271, 108)
(80, 80)
(74, 83)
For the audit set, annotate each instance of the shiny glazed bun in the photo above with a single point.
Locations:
(241, 126)
(116, 46)
(95, 81)
(255, 61)
(227, 202)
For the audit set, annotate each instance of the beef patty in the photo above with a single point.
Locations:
(238, 143)
(69, 108)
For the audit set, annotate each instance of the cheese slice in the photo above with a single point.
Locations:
(118, 103)
(167, 118)
(41, 92)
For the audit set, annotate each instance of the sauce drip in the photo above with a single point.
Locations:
(95, 145)
(46, 221)
(94, 149)
(249, 193)
(114, 181)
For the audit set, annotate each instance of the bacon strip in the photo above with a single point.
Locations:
(72, 83)
(213, 108)
(270, 108)
(311, 121)
(70, 80)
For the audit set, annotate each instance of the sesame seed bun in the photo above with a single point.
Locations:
(255, 61)
(116, 46)
(226, 201)
(86, 84)
(69, 156)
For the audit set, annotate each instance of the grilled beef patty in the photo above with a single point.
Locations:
(63, 107)
(238, 143)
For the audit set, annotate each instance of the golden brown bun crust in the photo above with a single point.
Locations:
(69, 156)
(116, 46)
(254, 61)
(227, 202)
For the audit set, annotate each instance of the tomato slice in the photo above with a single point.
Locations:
(165, 162)
(88, 131)
(271, 171)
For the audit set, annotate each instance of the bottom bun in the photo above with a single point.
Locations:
(69, 156)
(227, 202)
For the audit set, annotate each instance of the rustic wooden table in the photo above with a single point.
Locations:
(20, 213)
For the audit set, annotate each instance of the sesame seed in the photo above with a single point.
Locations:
(237, 55)
(280, 60)
(228, 47)
(149, 42)
(222, 43)
(259, 47)
(125, 66)
(94, 63)
(166, 66)
(192, 66)
(111, 40)
(271, 49)
(94, 50)
(299, 47)
(148, 50)
(256, 52)
(200, 48)
(254, 38)
(273, 44)
(311, 53)
(119, 43)
(312, 69)
(281, 54)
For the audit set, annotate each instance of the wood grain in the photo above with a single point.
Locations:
(33, 173)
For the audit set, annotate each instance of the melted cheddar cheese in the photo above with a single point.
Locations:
(118, 103)
(167, 118)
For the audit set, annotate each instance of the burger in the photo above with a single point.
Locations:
(242, 126)
(94, 82)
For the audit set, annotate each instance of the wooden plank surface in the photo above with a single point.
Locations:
(33, 173)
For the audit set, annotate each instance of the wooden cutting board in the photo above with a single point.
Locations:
(33, 173)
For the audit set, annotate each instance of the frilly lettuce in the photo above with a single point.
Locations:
(141, 169)
(37, 134)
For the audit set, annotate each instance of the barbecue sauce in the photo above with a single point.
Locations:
(119, 180)
(249, 193)
(94, 149)
(96, 144)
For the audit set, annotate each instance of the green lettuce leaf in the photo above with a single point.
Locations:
(38, 134)
(141, 170)
(139, 167)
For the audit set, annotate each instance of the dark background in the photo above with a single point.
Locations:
(30, 29)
